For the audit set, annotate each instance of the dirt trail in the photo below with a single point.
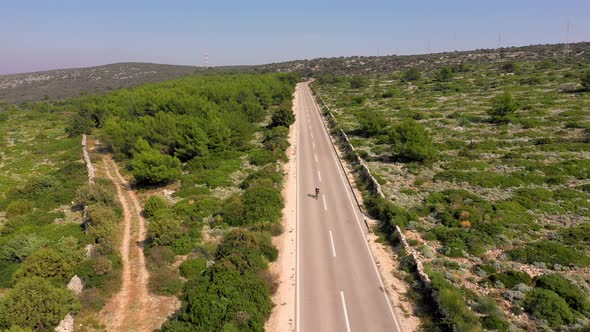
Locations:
(133, 308)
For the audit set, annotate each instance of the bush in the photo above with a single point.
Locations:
(494, 323)
(94, 194)
(221, 297)
(233, 211)
(164, 231)
(165, 281)
(548, 306)
(549, 252)
(193, 267)
(357, 82)
(444, 74)
(21, 246)
(412, 74)
(282, 117)
(372, 123)
(153, 204)
(34, 303)
(152, 168)
(503, 108)
(511, 278)
(245, 250)
(262, 203)
(574, 296)
(412, 142)
(585, 81)
(47, 263)
(18, 207)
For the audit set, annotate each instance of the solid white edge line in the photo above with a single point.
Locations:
(347, 189)
(345, 311)
(333, 247)
(324, 199)
(297, 296)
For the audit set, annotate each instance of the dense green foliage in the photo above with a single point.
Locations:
(412, 141)
(548, 306)
(503, 108)
(412, 74)
(585, 80)
(549, 252)
(510, 278)
(35, 303)
(574, 296)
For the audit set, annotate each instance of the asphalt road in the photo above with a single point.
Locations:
(338, 286)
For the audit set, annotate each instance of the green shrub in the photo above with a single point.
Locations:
(164, 231)
(47, 263)
(262, 203)
(412, 74)
(494, 323)
(503, 108)
(261, 157)
(549, 252)
(18, 207)
(444, 74)
(576, 235)
(389, 214)
(192, 267)
(357, 82)
(245, 250)
(153, 204)
(18, 248)
(165, 280)
(511, 278)
(233, 212)
(412, 142)
(585, 81)
(94, 194)
(152, 168)
(372, 123)
(282, 117)
(548, 306)
(34, 303)
(574, 296)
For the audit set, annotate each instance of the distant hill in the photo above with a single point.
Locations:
(65, 83)
(359, 65)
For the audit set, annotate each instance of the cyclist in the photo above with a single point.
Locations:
(317, 192)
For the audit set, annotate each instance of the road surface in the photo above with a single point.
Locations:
(338, 286)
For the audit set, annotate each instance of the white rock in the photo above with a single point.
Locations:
(76, 285)
(66, 324)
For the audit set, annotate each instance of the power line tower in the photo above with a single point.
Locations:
(206, 59)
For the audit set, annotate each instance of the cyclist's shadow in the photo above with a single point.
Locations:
(313, 196)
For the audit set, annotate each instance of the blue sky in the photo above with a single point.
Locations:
(43, 34)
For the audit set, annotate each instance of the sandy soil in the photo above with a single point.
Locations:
(132, 308)
(283, 314)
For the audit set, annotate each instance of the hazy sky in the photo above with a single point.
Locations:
(49, 34)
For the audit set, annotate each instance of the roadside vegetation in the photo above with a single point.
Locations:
(484, 164)
(43, 242)
(205, 153)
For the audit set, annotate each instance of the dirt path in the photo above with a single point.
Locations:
(133, 308)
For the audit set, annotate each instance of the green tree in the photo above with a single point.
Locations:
(503, 108)
(412, 141)
(547, 305)
(34, 303)
(585, 80)
(191, 141)
(153, 168)
(282, 117)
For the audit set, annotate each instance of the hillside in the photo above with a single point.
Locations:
(360, 65)
(65, 83)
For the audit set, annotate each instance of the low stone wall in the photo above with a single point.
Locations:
(86, 158)
(374, 188)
